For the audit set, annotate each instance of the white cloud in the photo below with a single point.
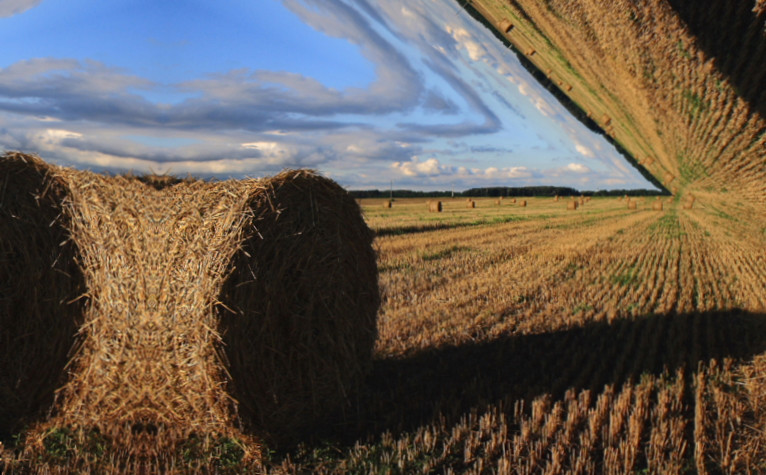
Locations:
(9, 8)
(475, 51)
(415, 167)
(577, 168)
(583, 150)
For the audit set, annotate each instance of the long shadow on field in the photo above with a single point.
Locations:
(429, 227)
(403, 394)
(733, 34)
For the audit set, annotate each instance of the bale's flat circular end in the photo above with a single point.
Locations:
(40, 286)
(299, 310)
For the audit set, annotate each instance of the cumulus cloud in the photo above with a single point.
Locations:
(416, 168)
(583, 150)
(9, 8)
(576, 168)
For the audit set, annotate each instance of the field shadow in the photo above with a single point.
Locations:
(446, 383)
(735, 35)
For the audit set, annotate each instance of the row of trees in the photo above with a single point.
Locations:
(498, 191)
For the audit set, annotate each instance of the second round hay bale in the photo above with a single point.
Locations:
(657, 206)
(387, 204)
(435, 206)
(470, 204)
(303, 299)
(523, 203)
(632, 204)
(572, 205)
(40, 289)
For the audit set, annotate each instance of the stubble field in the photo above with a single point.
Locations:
(545, 340)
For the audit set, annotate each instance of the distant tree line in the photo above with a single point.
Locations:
(497, 191)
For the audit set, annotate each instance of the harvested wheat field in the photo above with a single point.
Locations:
(537, 340)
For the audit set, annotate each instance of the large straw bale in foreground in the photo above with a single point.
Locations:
(40, 286)
(303, 296)
(204, 304)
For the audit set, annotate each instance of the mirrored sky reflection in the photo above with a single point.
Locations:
(366, 92)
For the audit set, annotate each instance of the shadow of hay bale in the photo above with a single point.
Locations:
(40, 282)
(298, 313)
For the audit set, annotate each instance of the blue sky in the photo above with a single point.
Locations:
(366, 92)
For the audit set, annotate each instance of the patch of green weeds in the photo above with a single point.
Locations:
(59, 443)
(627, 278)
(698, 105)
(443, 253)
(582, 307)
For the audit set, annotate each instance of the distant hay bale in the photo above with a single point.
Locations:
(531, 52)
(606, 120)
(568, 87)
(387, 204)
(506, 26)
(435, 206)
(632, 204)
(523, 203)
(657, 206)
(184, 298)
(513, 200)
(470, 204)
(498, 202)
(582, 201)
(572, 205)
(648, 161)
(556, 198)
(669, 177)
(587, 199)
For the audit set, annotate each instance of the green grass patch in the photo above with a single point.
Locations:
(443, 253)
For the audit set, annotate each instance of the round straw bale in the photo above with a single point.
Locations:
(632, 204)
(505, 25)
(498, 202)
(435, 206)
(470, 204)
(657, 206)
(513, 200)
(387, 204)
(523, 203)
(299, 308)
(556, 198)
(40, 288)
(572, 205)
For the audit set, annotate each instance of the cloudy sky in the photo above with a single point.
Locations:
(365, 91)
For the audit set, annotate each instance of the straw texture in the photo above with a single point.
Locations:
(203, 304)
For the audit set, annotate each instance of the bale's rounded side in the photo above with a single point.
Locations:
(40, 286)
(299, 310)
